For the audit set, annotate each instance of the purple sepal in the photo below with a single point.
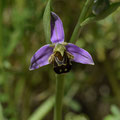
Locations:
(80, 55)
(40, 58)
(57, 31)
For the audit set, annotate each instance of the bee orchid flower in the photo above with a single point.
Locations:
(59, 53)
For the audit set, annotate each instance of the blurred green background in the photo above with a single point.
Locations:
(91, 92)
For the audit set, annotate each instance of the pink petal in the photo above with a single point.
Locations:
(80, 55)
(40, 58)
(57, 31)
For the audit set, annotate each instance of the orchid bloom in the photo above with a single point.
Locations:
(59, 53)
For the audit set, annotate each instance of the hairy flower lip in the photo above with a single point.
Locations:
(42, 56)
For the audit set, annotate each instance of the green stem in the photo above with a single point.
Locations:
(80, 20)
(59, 97)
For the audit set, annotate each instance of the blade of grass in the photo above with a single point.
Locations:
(1, 113)
(41, 112)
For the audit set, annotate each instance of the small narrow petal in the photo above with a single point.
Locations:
(57, 31)
(40, 58)
(80, 55)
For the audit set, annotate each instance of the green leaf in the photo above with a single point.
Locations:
(101, 16)
(109, 11)
(43, 110)
(46, 22)
(19, 21)
(115, 110)
(109, 117)
(1, 113)
(73, 104)
(15, 38)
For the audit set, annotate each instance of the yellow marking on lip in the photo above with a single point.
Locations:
(70, 56)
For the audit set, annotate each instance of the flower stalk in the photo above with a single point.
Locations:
(80, 20)
(59, 97)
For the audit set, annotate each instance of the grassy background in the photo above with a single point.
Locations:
(91, 92)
